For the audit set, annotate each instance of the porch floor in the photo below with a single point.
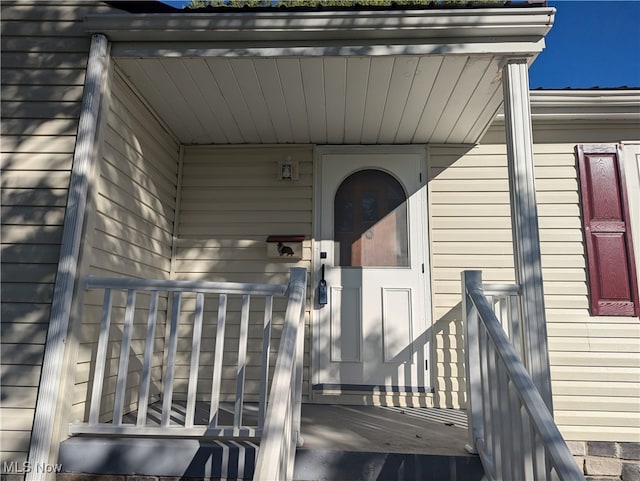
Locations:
(359, 443)
(355, 428)
(384, 429)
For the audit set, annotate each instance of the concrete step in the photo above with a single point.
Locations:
(166, 458)
(180, 458)
(334, 465)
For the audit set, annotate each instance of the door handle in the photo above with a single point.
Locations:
(322, 289)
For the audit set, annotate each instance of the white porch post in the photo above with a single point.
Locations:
(47, 403)
(524, 218)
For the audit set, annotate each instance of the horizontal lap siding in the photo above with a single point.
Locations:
(595, 360)
(231, 202)
(470, 228)
(44, 55)
(135, 203)
(595, 365)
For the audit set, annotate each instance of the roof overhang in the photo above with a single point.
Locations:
(418, 24)
(503, 30)
(592, 104)
(397, 76)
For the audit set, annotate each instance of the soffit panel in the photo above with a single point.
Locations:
(321, 100)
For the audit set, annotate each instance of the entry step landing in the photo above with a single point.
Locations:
(341, 443)
(384, 429)
(373, 443)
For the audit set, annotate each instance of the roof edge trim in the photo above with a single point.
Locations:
(600, 104)
(452, 25)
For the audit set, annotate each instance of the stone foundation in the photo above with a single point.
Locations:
(607, 461)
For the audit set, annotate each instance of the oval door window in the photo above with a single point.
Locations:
(370, 221)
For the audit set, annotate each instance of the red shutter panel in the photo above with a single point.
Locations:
(613, 288)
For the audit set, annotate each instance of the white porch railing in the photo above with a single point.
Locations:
(282, 425)
(510, 426)
(279, 417)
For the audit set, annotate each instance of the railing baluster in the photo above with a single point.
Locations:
(289, 444)
(101, 358)
(515, 327)
(515, 421)
(296, 382)
(506, 433)
(123, 365)
(145, 382)
(217, 361)
(242, 360)
(167, 392)
(486, 391)
(548, 471)
(503, 305)
(494, 410)
(537, 472)
(266, 348)
(195, 361)
(521, 440)
(527, 437)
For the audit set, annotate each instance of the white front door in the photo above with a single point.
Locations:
(373, 331)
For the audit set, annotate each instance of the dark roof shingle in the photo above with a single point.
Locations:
(326, 5)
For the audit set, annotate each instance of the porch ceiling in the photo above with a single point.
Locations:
(324, 78)
(321, 100)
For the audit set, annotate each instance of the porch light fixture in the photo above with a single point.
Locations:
(287, 169)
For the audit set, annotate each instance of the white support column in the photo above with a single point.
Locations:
(524, 218)
(84, 160)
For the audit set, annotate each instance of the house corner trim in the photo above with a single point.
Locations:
(67, 275)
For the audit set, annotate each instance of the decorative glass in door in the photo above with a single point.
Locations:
(370, 221)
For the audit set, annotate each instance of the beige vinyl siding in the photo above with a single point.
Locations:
(133, 237)
(595, 361)
(470, 228)
(44, 55)
(231, 202)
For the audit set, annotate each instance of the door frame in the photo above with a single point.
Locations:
(316, 262)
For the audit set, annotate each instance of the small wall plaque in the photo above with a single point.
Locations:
(285, 246)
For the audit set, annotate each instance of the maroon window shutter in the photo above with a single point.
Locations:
(613, 287)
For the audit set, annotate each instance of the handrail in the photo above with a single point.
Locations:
(185, 286)
(185, 310)
(510, 426)
(282, 425)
